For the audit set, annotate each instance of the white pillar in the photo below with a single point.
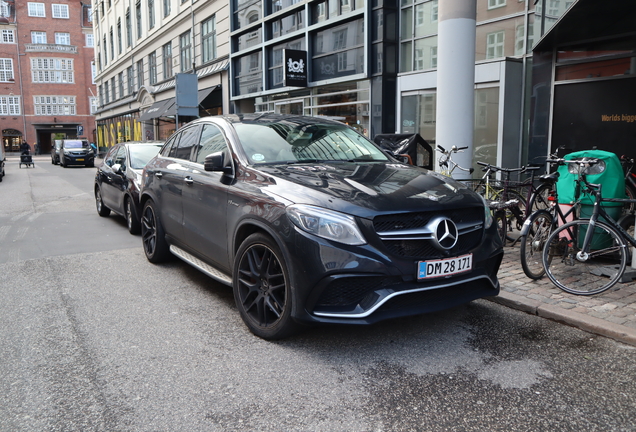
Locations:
(456, 78)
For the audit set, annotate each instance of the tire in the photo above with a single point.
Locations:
(499, 218)
(531, 245)
(132, 220)
(153, 236)
(539, 200)
(102, 210)
(262, 289)
(603, 268)
(52, 161)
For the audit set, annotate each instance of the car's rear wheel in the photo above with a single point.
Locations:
(134, 226)
(102, 210)
(262, 289)
(152, 235)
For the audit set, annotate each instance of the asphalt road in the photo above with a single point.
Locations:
(95, 338)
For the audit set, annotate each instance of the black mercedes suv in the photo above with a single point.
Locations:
(310, 222)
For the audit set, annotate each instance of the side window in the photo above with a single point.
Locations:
(171, 148)
(212, 141)
(189, 138)
(120, 157)
(108, 159)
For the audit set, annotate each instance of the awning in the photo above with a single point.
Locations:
(591, 19)
(201, 95)
(157, 109)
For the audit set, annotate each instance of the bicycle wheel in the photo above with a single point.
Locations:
(531, 247)
(631, 194)
(539, 199)
(514, 214)
(603, 266)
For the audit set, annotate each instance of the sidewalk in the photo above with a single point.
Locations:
(611, 313)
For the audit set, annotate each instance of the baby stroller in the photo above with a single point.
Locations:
(26, 159)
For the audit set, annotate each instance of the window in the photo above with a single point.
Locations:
(129, 80)
(52, 70)
(112, 88)
(54, 105)
(7, 36)
(10, 105)
(6, 69)
(105, 52)
(60, 11)
(138, 16)
(152, 68)
(106, 93)
(187, 142)
(63, 38)
(496, 3)
(185, 48)
(36, 10)
(38, 37)
(208, 39)
(93, 73)
(166, 7)
(89, 14)
(112, 44)
(94, 104)
(90, 40)
(128, 28)
(212, 141)
(120, 82)
(140, 73)
(4, 9)
(119, 41)
(495, 45)
(151, 14)
(167, 60)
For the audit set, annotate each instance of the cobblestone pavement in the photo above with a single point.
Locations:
(611, 313)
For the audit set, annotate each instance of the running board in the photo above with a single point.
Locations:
(204, 267)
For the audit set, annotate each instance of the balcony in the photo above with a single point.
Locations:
(67, 49)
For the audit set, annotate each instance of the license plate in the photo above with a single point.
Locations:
(80, 160)
(444, 267)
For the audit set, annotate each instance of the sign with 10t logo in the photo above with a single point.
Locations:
(295, 68)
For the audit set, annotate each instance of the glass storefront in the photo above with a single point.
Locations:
(346, 102)
(419, 116)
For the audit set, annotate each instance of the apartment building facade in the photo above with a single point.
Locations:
(46, 78)
(141, 47)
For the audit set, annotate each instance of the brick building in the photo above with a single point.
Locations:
(46, 72)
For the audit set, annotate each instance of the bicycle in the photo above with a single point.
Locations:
(588, 256)
(504, 197)
(630, 182)
(447, 163)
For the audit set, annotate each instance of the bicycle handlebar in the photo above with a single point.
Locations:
(496, 168)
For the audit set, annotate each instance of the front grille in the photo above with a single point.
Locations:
(418, 248)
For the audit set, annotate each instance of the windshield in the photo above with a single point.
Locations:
(297, 143)
(141, 154)
(75, 144)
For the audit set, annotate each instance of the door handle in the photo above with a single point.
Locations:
(189, 180)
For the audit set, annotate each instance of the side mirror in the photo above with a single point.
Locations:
(217, 162)
(117, 169)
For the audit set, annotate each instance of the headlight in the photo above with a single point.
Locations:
(487, 214)
(326, 224)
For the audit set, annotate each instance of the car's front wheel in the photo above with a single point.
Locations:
(262, 288)
(102, 210)
(134, 227)
(152, 235)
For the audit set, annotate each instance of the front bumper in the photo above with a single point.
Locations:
(364, 285)
(86, 159)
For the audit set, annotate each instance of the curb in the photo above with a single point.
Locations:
(587, 323)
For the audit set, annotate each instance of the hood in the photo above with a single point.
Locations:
(366, 189)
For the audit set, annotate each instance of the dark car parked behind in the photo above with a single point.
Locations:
(118, 178)
(76, 152)
(56, 148)
(310, 222)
